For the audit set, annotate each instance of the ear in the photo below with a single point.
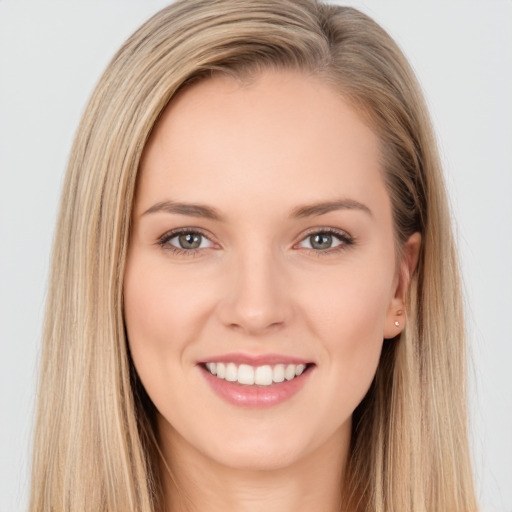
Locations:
(396, 315)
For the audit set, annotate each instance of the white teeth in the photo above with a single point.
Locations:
(278, 373)
(300, 368)
(231, 372)
(221, 370)
(260, 375)
(245, 374)
(263, 375)
(289, 373)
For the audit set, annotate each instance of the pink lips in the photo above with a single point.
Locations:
(259, 360)
(254, 396)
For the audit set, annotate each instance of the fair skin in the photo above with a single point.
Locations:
(260, 274)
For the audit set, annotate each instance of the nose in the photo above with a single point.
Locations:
(257, 299)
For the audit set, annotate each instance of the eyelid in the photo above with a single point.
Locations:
(343, 236)
(169, 235)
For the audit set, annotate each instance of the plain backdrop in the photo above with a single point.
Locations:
(51, 55)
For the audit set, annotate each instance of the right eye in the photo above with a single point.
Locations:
(185, 241)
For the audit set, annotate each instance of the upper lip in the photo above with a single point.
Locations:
(255, 360)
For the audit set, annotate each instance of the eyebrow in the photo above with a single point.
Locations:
(200, 210)
(330, 206)
(194, 210)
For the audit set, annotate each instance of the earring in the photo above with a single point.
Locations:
(399, 313)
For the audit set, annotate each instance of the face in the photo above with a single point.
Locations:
(262, 250)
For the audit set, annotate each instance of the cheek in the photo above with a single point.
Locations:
(348, 313)
(163, 316)
(159, 304)
(352, 302)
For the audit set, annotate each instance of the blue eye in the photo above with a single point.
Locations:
(185, 241)
(325, 240)
(189, 241)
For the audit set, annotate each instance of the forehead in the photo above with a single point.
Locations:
(282, 137)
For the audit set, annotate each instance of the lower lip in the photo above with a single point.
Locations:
(256, 396)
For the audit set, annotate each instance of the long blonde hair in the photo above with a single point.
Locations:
(95, 446)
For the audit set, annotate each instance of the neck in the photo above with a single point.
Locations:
(194, 482)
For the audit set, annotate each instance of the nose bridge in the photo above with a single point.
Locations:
(256, 300)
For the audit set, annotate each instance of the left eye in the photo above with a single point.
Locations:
(322, 241)
(189, 240)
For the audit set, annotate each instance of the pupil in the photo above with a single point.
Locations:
(321, 241)
(190, 241)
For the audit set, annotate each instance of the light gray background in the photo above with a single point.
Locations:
(52, 53)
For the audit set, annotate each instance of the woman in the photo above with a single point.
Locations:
(247, 308)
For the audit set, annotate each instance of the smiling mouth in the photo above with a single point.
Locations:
(265, 375)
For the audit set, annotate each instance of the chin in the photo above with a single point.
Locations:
(261, 450)
(262, 458)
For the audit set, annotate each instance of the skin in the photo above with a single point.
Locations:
(256, 152)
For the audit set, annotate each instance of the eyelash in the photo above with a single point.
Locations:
(344, 238)
(163, 241)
